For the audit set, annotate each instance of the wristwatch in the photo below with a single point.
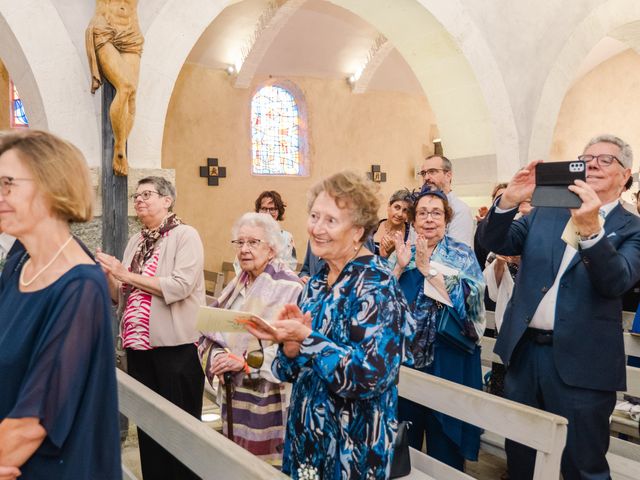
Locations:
(583, 238)
(432, 273)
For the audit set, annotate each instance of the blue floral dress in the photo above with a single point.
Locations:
(343, 413)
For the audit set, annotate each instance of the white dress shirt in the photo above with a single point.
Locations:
(461, 226)
(545, 315)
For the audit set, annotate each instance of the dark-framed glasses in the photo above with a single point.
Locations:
(268, 210)
(604, 159)
(435, 214)
(251, 243)
(146, 195)
(7, 182)
(431, 172)
(255, 358)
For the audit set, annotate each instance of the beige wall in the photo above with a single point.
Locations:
(4, 98)
(606, 100)
(209, 118)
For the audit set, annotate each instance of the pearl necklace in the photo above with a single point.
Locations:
(35, 277)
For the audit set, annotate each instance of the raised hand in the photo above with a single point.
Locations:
(423, 255)
(520, 187)
(482, 212)
(112, 266)
(387, 245)
(585, 218)
(403, 251)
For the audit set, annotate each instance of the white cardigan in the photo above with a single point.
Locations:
(181, 272)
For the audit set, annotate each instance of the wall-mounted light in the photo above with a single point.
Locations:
(437, 146)
(351, 80)
(231, 70)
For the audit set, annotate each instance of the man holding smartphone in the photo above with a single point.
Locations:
(561, 337)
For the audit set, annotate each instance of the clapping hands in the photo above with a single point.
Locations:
(291, 328)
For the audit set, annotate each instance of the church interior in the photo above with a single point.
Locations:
(373, 86)
(374, 83)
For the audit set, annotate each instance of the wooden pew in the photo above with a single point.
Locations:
(206, 452)
(542, 431)
(623, 456)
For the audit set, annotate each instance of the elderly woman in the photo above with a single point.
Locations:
(263, 287)
(442, 282)
(159, 287)
(397, 221)
(58, 405)
(342, 348)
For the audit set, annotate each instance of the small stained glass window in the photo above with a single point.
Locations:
(275, 132)
(18, 115)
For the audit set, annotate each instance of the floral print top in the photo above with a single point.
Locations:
(343, 413)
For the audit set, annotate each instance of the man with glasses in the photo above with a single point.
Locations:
(437, 172)
(561, 336)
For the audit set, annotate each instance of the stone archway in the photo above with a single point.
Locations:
(466, 91)
(612, 18)
(44, 64)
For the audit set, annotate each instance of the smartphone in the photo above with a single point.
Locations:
(552, 180)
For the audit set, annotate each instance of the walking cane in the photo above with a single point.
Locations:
(228, 387)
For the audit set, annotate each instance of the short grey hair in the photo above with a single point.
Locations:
(269, 226)
(625, 149)
(403, 195)
(163, 186)
(446, 163)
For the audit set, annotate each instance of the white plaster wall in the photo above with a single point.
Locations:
(495, 71)
(605, 100)
(168, 40)
(610, 17)
(42, 60)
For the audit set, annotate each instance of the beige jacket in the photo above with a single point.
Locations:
(180, 270)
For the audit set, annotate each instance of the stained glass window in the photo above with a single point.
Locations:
(275, 132)
(18, 115)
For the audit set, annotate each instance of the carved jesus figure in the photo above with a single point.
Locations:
(114, 46)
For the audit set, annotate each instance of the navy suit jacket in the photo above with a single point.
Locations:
(588, 348)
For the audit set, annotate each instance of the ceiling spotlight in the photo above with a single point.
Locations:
(230, 69)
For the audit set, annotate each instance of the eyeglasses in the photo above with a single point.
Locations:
(268, 210)
(146, 195)
(7, 182)
(435, 214)
(251, 244)
(255, 358)
(431, 172)
(603, 160)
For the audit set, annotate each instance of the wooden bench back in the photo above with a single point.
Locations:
(543, 431)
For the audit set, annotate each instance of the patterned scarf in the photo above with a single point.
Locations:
(148, 244)
(466, 291)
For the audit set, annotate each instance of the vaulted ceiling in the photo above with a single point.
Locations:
(319, 40)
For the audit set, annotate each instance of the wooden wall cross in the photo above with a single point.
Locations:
(376, 174)
(213, 172)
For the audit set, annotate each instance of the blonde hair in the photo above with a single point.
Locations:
(59, 170)
(354, 192)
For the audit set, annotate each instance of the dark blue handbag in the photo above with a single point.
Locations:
(451, 329)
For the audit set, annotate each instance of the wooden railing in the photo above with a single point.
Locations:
(209, 454)
(542, 431)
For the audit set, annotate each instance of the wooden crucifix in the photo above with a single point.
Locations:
(114, 46)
